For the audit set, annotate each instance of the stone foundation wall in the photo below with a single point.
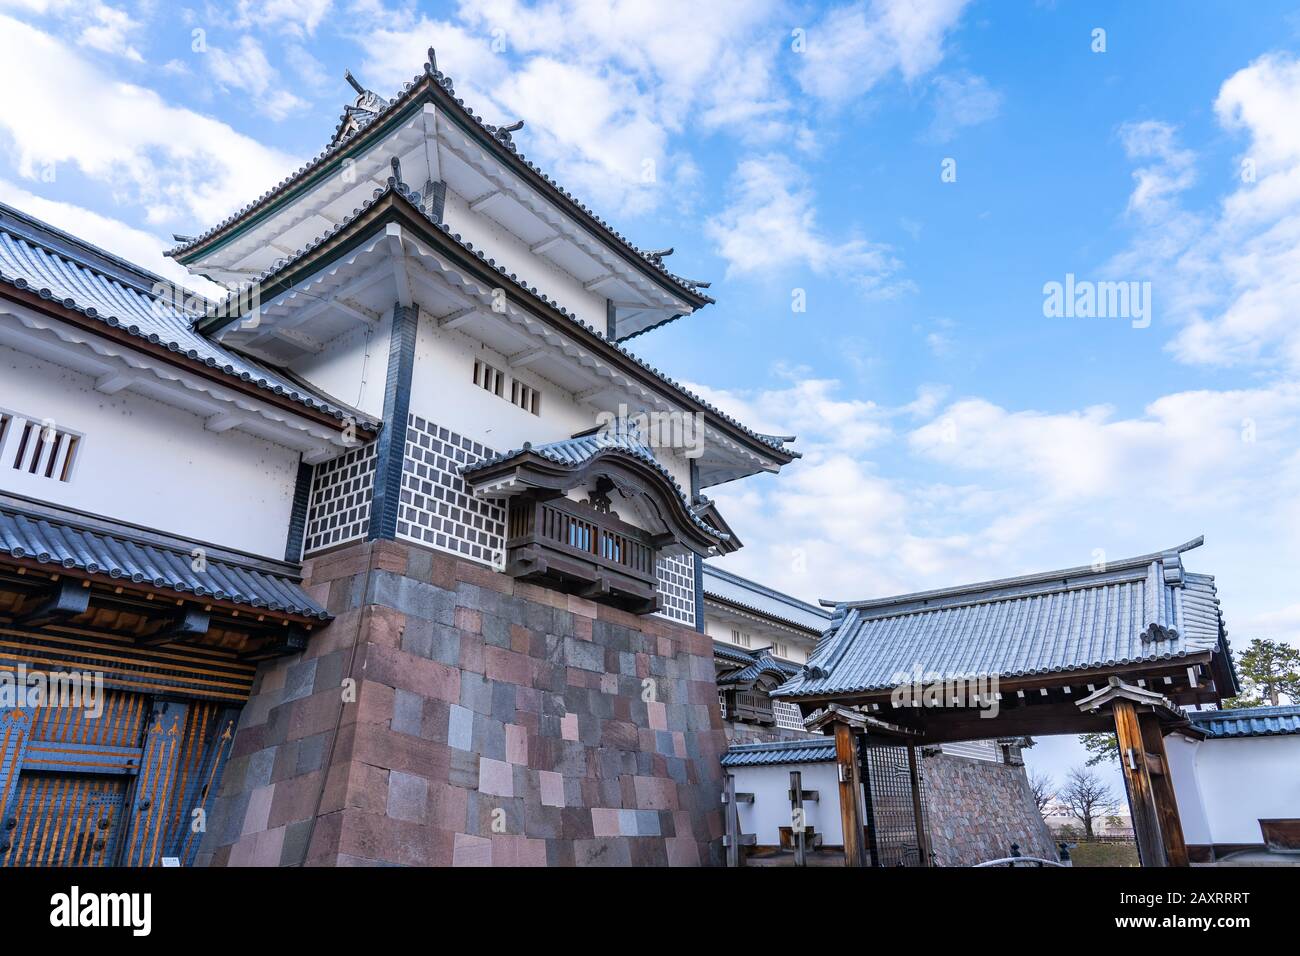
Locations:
(978, 809)
(492, 723)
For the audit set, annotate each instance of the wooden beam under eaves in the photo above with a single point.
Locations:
(189, 625)
(458, 318)
(225, 421)
(484, 200)
(114, 382)
(68, 598)
(546, 245)
(526, 357)
(401, 277)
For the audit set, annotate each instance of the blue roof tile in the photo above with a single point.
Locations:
(61, 268)
(1248, 721)
(1056, 622)
(809, 750)
(36, 537)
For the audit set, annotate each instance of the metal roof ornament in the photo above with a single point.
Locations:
(502, 134)
(367, 100)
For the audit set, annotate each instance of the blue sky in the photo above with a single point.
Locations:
(951, 431)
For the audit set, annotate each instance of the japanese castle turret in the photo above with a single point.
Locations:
(394, 555)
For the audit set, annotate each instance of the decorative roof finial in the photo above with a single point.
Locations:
(433, 61)
(502, 133)
(660, 253)
(352, 81)
(397, 169)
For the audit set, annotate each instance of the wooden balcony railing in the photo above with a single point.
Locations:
(752, 707)
(576, 548)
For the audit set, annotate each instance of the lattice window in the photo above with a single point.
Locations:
(677, 588)
(38, 447)
(787, 715)
(437, 508)
(488, 378)
(526, 397)
(741, 638)
(340, 499)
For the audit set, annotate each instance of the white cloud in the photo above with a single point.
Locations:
(853, 48)
(96, 24)
(1171, 169)
(295, 17)
(603, 86)
(126, 242)
(248, 69)
(975, 491)
(109, 30)
(1229, 277)
(181, 166)
(1203, 446)
(770, 223)
(962, 100)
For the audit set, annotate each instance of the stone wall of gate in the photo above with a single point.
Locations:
(978, 808)
(493, 723)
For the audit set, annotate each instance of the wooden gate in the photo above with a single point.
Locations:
(120, 788)
(892, 826)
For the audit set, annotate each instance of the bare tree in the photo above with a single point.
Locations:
(1087, 798)
(1044, 789)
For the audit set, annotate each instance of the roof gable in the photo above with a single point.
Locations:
(1139, 610)
(59, 268)
(361, 128)
(396, 204)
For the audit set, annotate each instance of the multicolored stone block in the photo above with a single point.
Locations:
(453, 716)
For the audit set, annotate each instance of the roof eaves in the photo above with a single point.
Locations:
(441, 87)
(1002, 588)
(70, 545)
(305, 398)
(222, 313)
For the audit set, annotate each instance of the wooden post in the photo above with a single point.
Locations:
(846, 760)
(1141, 797)
(734, 857)
(797, 820)
(1162, 786)
(918, 816)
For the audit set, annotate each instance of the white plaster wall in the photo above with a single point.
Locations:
(771, 807)
(443, 391)
(1187, 791)
(513, 255)
(144, 462)
(1239, 782)
(720, 630)
(352, 367)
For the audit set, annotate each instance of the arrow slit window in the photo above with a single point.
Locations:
(38, 448)
(488, 378)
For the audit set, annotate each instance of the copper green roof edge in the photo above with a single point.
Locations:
(406, 102)
(68, 545)
(288, 273)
